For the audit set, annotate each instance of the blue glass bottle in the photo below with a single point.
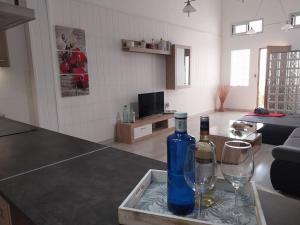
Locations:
(180, 196)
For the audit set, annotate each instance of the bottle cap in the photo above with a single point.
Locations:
(204, 118)
(181, 115)
(204, 124)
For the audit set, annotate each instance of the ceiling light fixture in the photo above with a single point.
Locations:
(189, 8)
(288, 25)
(250, 30)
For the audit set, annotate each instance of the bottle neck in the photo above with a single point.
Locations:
(204, 136)
(180, 125)
(204, 129)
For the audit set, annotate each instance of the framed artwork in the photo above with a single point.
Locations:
(72, 61)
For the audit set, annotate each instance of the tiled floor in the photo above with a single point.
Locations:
(156, 147)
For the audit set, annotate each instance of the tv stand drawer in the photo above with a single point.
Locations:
(144, 128)
(142, 131)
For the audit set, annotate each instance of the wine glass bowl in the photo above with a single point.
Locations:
(189, 169)
(237, 165)
(200, 174)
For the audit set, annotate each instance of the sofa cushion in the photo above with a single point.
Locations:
(292, 142)
(285, 177)
(289, 120)
(295, 133)
(275, 134)
(287, 153)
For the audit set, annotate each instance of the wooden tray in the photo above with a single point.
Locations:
(141, 208)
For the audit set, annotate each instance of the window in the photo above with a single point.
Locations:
(240, 29)
(256, 25)
(295, 18)
(240, 66)
(243, 28)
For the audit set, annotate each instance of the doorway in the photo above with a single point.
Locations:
(262, 77)
(262, 86)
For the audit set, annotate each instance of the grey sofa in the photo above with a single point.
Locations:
(275, 130)
(285, 133)
(286, 166)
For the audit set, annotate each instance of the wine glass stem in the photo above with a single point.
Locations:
(235, 201)
(199, 203)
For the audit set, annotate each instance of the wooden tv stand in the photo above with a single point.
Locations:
(145, 128)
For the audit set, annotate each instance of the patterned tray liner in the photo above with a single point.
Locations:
(154, 199)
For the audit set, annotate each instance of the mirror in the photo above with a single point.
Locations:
(178, 67)
(182, 66)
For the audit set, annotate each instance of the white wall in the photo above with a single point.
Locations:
(43, 75)
(15, 84)
(233, 12)
(116, 77)
(206, 19)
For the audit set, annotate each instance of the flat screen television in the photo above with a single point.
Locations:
(151, 103)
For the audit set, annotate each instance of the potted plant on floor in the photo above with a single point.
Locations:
(223, 92)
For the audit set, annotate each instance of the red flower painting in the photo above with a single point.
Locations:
(72, 61)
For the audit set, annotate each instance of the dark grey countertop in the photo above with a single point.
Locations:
(89, 189)
(82, 191)
(11, 127)
(56, 179)
(23, 152)
(279, 210)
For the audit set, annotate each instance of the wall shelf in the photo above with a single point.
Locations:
(143, 50)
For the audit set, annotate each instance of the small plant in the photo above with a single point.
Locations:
(223, 92)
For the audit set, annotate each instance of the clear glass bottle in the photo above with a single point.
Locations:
(133, 117)
(180, 197)
(206, 163)
(125, 114)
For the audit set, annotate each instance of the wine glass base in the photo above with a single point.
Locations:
(208, 202)
(236, 213)
(199, 215)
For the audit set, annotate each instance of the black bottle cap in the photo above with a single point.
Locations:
(204, 123)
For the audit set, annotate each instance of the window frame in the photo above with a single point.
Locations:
(249, 65)
(293, 19)
(238, 24)
(247, 23)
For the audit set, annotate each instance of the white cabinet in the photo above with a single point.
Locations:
(142, 131)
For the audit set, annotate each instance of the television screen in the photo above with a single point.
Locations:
(151, 103)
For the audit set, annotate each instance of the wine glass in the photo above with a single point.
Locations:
(237, 166)
(199, 174)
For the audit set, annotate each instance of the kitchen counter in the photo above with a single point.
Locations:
(82, 191)
(11, 127)
(54, 179)
(26, 151)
